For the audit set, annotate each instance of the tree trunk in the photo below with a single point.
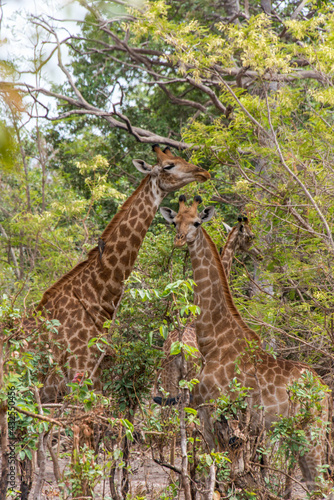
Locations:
(232, 8)
(41, 453)
(4, 432)
(126, 454)
(183, 435)
(266, 6)
(26, 478)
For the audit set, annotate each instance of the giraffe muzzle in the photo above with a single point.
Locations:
(202, 175)
(180, 240)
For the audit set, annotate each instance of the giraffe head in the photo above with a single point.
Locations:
(245, 236)
(172, 172)
(187, 221)
(243, 239)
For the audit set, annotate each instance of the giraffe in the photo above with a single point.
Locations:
(240, 239)
(84, 298)
(223, 339)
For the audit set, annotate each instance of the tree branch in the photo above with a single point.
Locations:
(296, 178)
(12, 253)
(142, 135)
(39, 417)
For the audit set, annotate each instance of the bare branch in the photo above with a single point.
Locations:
(12, 253)
(219, 105)
(142, 135)
(296, 178)
(39, 417)
(299, 9)
(247, 113)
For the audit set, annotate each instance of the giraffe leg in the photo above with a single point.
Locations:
(54, 388)
(207, 426)
(309, 465)
(170, 378)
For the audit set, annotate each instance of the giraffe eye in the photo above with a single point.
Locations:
(169, 167)
(196, 224)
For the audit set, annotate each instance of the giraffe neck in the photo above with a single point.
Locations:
(97, 283)
(219, 325)
(229, 251)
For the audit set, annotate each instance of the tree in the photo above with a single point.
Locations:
(246, 89)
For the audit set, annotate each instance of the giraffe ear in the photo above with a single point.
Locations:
(142, 166)
(207, 214)
(227, 227)
(168, 214)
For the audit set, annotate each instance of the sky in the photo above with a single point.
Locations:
(17, 32)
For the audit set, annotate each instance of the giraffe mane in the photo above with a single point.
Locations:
(229, 300)
(121, 213)
(229, 236)
(111, 227)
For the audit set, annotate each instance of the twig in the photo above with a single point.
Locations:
(261, 322)
(247, 113)
(41, 455)
(39, 417)
(296, 178)
(299, 8)
(281, 472)
(169, 466)
(12, 253)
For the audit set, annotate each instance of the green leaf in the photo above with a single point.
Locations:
(175, 348)
(192, 411)
(163, 330)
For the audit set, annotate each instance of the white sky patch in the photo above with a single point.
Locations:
(25, 43)
(21, 36)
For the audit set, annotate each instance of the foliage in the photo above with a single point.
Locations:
(254, 99)
(235, 400)
(294, 432)
(132, 368)
(85, 471)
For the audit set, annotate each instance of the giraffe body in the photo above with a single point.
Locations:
(83, 299)
(239, 240)
(224, 339)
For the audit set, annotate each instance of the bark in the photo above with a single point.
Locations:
(25, 164)
(21, 256)
(4, 431)
(11, 252)
(184, 456)
(212, 481)
(26, 470)
(56, 468)
(113, 491)
(232, 8)
(266, 6)
(183, 432)
(41, 458)
(41, 454)
(42, 161)
(4, 451)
